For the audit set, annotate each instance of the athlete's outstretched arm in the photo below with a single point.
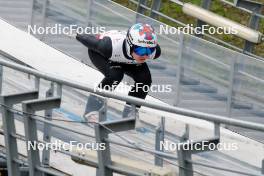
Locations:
(102, 46)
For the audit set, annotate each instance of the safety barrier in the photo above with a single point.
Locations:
(103, 129)
(232, 75)
(31, 103)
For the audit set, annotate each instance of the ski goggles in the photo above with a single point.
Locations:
(143, 51)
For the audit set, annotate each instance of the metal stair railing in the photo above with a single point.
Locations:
(203, 57)
(9, 127)
(102, 128)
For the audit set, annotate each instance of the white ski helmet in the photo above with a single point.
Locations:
(140, 35)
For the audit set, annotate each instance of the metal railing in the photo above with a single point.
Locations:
(103, 128)
(185, 163)
(217, 62)
(228, 81)
(154, 13)
(242, 8)
(233, 92)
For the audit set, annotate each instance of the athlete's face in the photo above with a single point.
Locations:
(140, 59)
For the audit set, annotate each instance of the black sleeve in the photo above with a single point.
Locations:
(102, 46)
(158, 52)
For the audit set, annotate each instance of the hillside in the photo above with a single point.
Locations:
(175, 11)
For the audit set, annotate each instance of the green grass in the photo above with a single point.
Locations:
(175, 11)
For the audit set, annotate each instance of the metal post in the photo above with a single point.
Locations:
(255, 7)
(9, 128)
(89, 12)
(29, 107)
(103, 111)
(140, 9)
(37, 83)
(43, 17)
(133, 111)
(233, 70)
(155, 6)
(186, 149)
(31, 18)
(59, 90)
(47, 128)
(102, 129)
(1, 78)
(102, 117)
(254, 24)
(186, 134)
(104, 156)
(31, 136)
(10, 142)
(217, 130)
(135, 115)
(185, 168)
(206, 5)
(262, 170)
(160, 134)
(179, 70)
(89, 23)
